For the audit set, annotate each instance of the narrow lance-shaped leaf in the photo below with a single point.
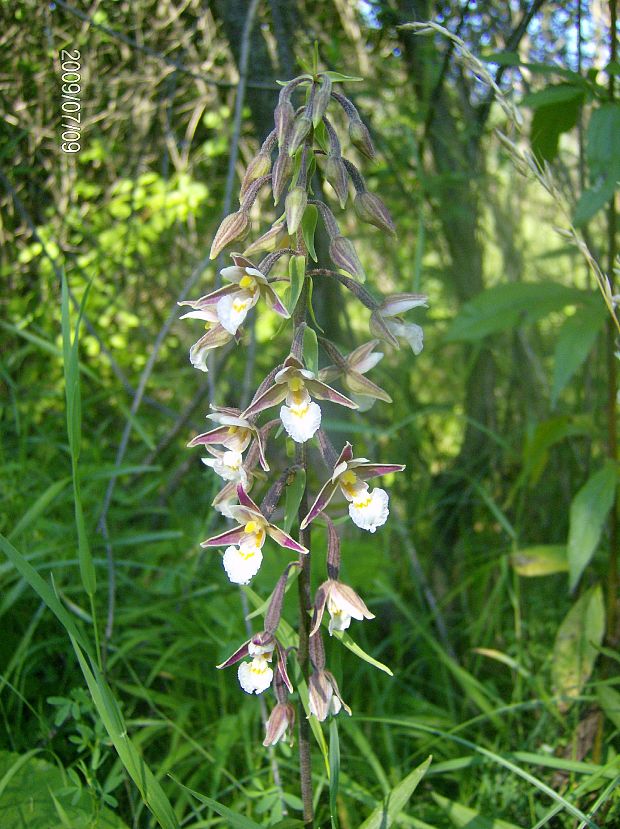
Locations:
(587, 516)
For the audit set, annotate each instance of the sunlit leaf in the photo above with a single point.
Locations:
(575, 647)
(540, 560)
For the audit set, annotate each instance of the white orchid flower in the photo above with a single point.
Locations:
(387, 323)
(368, 508)
(295, 386)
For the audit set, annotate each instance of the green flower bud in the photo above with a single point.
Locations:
(282, 171)
(233, 227)
(360, 138)
(343, 255)
(371, 209)
(321, 100)
(336, 175)
(295, 206)
(301, 128)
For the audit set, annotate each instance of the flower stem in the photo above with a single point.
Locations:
(305, 597)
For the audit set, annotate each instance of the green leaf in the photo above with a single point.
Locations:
(337, 77)
(557, 111)
(383, 816)
(540, 560)
(575, 341)
(346, 640)
(466, 818)
(292, 498)
(308, 227)
(504, 306)
(603, 157)
(39, 506)
(545, 435)
(111, 716)
(575, 648)
(609, 700)
(334, 771)
(588, 512)
(297, 274)
(34, 795)
(311, 350)
(232, 818)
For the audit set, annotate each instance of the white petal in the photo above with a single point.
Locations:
(301, 422)
(339, 606)
(369, 361)
(242, 565)
(232, 309)
(408, 331)
(370, 510)
(261, 650)
(233, 273)
(198, 357)
(334, 704)
(338, 620)
(255, 676)
(208, 315)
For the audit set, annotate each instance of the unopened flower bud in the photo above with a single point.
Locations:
(301, 128)
(321, 100)
(283, 117)
(360, 138)
(324, 696)
(282, 171)
(336, 175)
(281, 720)
(269, 241)
(343, 255)
(295, 205)
(258, 167)
(371, 209)
(233, 227)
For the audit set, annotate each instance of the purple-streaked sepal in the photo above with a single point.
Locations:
(374, 470)
(282, 667)
(246, 501)
(269, 398)
(284, 539)
(325, 495)
(274, 302)
(324, 392)
(237, 656)
(214, 436)
(397, 304)
(320, 600)
(223, 539)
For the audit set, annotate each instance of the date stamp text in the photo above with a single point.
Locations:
(71, 106)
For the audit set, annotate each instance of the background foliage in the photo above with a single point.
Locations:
(495, 587)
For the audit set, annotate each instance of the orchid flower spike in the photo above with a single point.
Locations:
(343, 604)
(234, 433)
(296, 385)
(387, 323)
(363, 391)
(368, 508)
(256, 676)
(243, 558)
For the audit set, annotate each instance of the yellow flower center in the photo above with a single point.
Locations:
(348, 481)
(363, 503)
(232, 430)
(240, 305)
(248, 282)
(296, 384)
(251, 527)
(247, 554)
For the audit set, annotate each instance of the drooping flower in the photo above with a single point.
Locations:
(230, 305)
(215, 337)
(352, 369)
(256, 675)
(368, 508)
(387, 323)
(281, 720)
(296, 385)
(243, 557)
(343, 604)
(234, 433)
(228, 464)
(324, 695)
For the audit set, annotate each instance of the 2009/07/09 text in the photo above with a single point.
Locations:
(71, 106)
